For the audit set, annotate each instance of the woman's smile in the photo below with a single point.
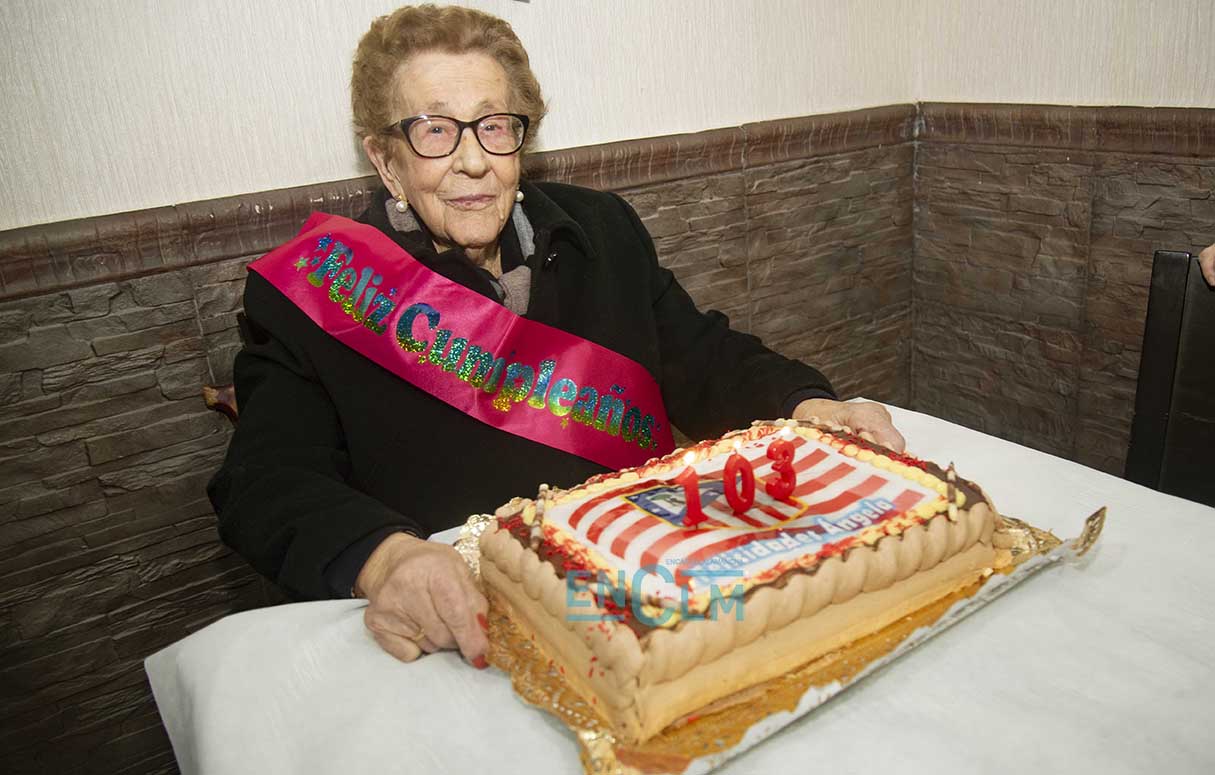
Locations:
(470, 201)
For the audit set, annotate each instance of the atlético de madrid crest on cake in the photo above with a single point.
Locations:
(667, 503)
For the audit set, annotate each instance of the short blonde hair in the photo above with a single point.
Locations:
(411, 30)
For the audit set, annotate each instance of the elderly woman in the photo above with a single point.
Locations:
(358, 440)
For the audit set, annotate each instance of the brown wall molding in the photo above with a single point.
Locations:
(1171, 131)
(632, 163)
(68, 254)
(57, 256)
(810, 136)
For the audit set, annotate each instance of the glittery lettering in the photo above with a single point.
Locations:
(449, 361)
(563, 390)
(434, 355)
(405, 326)
(494, 381)
(476, 366)
(584, 407)
(632, 424)
(518, 384)
(344, 281)
(648, 426)
(540, 395)
(382, 308)
(349, 304)
(334, 262)
(611, 412)
(368, 296)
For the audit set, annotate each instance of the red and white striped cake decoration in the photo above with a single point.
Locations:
(635, 522)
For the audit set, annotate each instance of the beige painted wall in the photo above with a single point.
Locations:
(126, 104)
(1069, 52)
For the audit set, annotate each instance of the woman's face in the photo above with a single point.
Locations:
(464, 198)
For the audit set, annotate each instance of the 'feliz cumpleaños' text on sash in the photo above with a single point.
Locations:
(518, 375)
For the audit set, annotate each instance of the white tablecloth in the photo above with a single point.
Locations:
(1104, 668)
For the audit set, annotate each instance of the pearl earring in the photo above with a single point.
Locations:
(401, 205)
(518, 196)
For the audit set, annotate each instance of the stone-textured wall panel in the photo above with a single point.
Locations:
(699, 232)
(1002, 250)
(829, 251)
(109, 544)
(1006, 227)
(865, 355)
(1014, 379)
(218, 288)
(1042, 222)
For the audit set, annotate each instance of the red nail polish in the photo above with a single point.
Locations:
(481, 620)
(480, 662)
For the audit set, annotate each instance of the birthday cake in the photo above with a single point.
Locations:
(668, 589)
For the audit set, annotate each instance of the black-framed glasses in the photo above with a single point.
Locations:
(434, 137)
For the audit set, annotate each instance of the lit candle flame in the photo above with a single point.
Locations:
(689, 458)
(737, 445)
(786, 433)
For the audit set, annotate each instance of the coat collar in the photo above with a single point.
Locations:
(549, 218)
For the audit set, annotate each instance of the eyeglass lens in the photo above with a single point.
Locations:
(439, 136)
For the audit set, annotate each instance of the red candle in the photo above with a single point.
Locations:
(693, 515)
(737, 465)
(781, 454)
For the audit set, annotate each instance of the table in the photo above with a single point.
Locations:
(1105, 666)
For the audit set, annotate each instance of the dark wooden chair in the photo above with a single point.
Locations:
(1173, 433)
(222, 398)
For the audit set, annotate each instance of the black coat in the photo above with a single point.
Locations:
(333, 453)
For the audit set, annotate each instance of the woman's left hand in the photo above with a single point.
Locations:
(868, 419)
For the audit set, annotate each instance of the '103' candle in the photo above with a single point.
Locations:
(693, 514)
(780, 452)
(738, 466)
(739, 479)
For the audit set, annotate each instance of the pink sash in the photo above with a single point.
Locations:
(515, 374)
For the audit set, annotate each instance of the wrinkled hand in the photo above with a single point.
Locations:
(868, 420)
(1206, 259)
(422, 598)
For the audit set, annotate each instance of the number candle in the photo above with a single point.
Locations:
(737, 465)
(693, 514)
(781, 454)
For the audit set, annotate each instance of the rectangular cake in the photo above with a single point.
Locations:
(803, 539)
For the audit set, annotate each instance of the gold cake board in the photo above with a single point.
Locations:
(711, 737)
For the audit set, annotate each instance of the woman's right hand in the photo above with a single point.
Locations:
(422, 598)
(1206, 259)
